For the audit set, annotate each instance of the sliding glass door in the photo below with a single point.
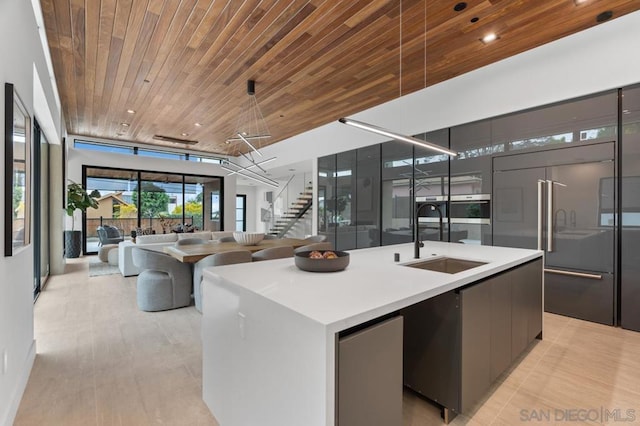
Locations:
(194, 201)
(151, 203)
(161, 202)
(115, 205)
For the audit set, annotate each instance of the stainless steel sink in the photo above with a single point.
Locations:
(448, 265)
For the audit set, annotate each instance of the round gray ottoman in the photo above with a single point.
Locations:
(154, 291)
(103, 253)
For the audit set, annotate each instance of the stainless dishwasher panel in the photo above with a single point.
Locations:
(370, 376)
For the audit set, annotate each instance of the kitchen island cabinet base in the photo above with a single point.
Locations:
(270, 332)
(458, 343)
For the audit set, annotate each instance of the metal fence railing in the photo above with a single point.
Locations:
(150, 225)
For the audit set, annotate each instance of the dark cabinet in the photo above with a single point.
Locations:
(630, 211)
(346, 199)
(369, 385)
(475, 317)
(349, 206)
(368, 197)
(432, 348)
(458, 343)
(327, 197)
(396, 193)
(526, 319)
(486, 318)
(501, 324)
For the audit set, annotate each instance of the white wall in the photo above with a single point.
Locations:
(598, 59)
(253, 207)
(262, 203)
(76, 158)
(20, 50)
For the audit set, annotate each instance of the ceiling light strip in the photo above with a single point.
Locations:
(251, 177)
(388, 133)
(249, 143)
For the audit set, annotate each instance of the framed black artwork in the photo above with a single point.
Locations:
(17, 172)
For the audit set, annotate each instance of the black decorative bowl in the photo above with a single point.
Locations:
(303, 261)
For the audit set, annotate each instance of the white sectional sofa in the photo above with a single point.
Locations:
(157, 242)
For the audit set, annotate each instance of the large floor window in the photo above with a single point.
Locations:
(151, 203)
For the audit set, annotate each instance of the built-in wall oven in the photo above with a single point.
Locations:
(473, 209)
(466, 217)
(470, 218)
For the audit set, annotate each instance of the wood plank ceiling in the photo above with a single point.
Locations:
(181, 62)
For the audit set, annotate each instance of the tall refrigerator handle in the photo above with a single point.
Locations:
(540, 192)
(549, 216)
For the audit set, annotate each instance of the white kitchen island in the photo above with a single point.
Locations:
(269, 330)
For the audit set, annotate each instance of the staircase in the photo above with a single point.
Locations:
(297, 211)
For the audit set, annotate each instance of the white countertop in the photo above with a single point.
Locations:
(371, 286)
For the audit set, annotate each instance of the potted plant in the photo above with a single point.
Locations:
(77, 199)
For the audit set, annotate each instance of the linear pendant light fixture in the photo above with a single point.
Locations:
(396, 136)
(259, 180)
(245, 140)
(251, 126)
(253, 164)
(250, 174)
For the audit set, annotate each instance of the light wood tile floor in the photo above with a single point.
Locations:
(102, 361)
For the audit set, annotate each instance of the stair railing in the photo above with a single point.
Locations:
(284, 188)
(292, 221)
(282, 205)
(278, 199)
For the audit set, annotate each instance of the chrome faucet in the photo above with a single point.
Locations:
(417, 242)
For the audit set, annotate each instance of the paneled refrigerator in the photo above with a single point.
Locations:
(562, 201)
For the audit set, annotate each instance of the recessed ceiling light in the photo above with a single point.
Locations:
(474, 19)
(227, 142)
(197, 124)
(579, 2)
(124, 124)
(626, 111)
(460, 6)
(131, 111)
(489, 38)
(604, 16)
(184, 134)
